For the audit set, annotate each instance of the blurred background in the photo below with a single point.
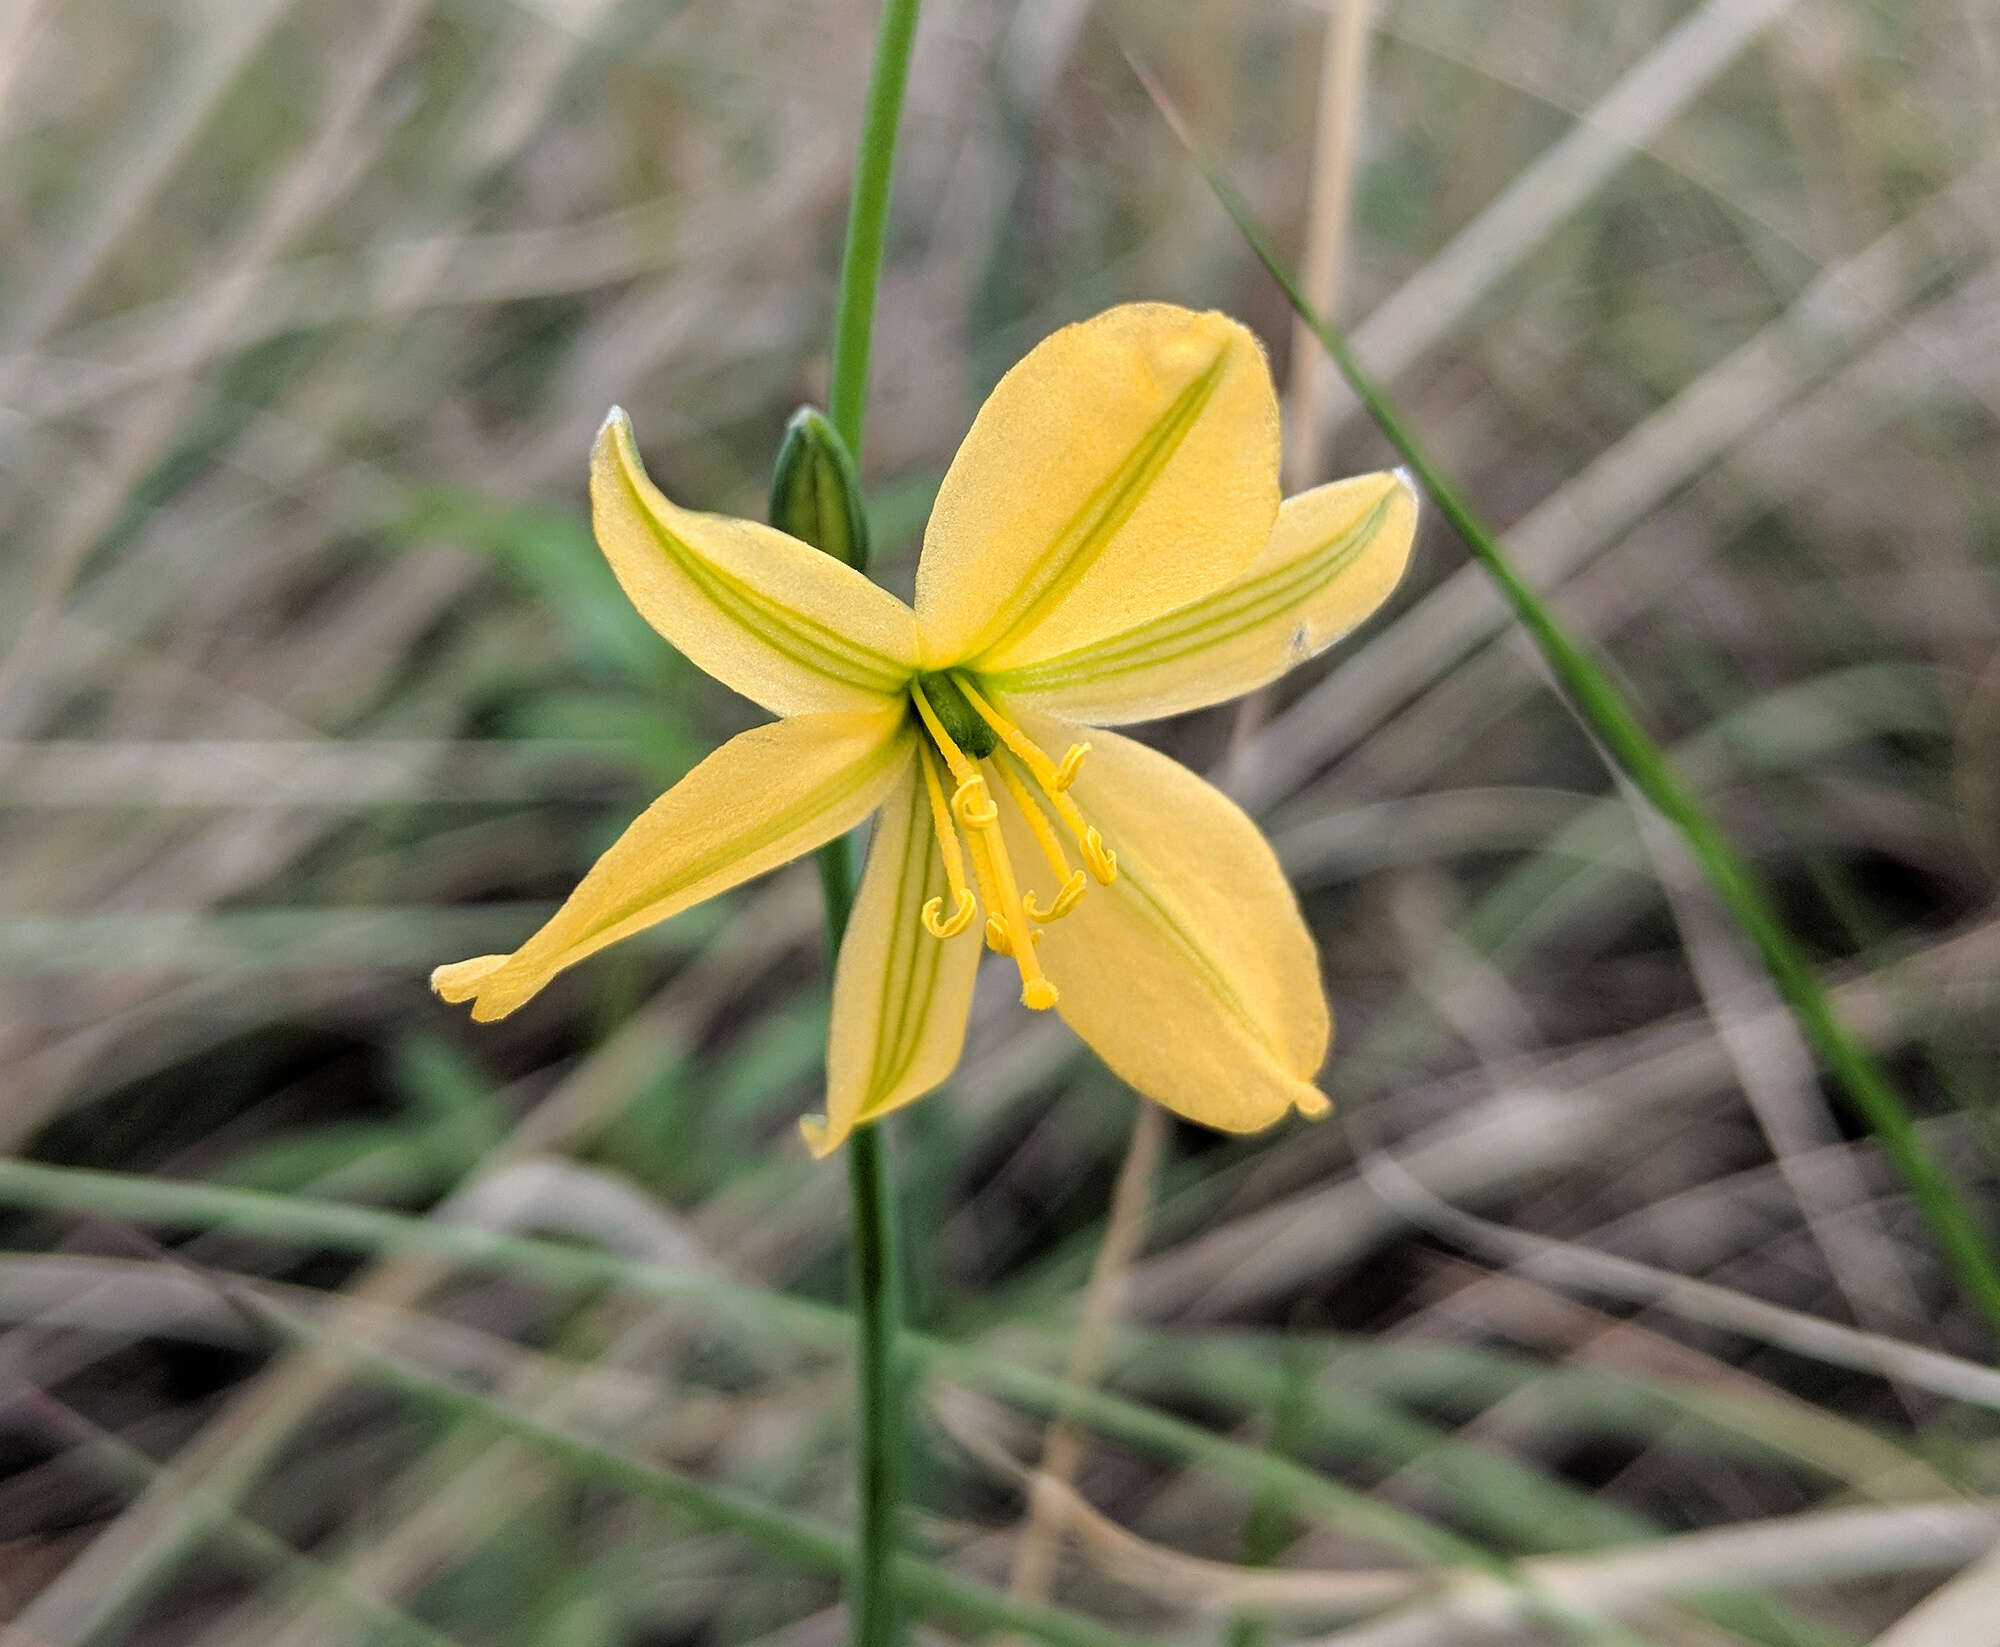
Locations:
(311, 678)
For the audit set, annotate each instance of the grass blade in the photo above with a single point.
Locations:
(721, 1508)
(1596, 701)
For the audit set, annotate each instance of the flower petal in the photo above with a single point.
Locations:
(1125, 466)
(1334, 556)
(773, 618)
(762, 799)
(900, 995)
(1192, 974)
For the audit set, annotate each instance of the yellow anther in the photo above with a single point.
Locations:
(1102, 860)
(961, 917)
(973, 805)
(998, 938)
(1070, 765)
(1072, 889)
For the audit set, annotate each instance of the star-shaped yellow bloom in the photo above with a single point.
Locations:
(1108, 546)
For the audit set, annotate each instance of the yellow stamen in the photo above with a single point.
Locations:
(962, 769)
(1036, 990)
(972, 804)
(964, 908)
(1102, 860)
(1069, 881)
(1052, 779)
(1066, 899)
(1070, 765)
(964, 905)
(981, 836)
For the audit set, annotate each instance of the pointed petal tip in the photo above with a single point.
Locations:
(464, 981)
(819, 1137)
(1313, 1104)
(1369, 488)
(458, 981)
(613, 433)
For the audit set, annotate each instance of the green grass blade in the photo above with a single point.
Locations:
(1966, 1245)
(776, 1317)
(719, 1508)
(206, 1514)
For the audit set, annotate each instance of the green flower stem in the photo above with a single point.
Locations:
(875, 1277)
(868, 221)
(875, 1284)
(1597, 702)
(876, 1281)
(836, 890)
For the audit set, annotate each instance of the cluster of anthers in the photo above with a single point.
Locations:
(966, 736)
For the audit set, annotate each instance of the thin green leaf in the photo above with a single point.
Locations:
(1959, 1231)
(710, 1505)
(164, 1203)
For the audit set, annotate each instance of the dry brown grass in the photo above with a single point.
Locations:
(309, 679)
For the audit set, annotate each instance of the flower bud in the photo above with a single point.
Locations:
(815, 492)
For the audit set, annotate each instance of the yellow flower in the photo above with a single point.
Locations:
(1108, 546)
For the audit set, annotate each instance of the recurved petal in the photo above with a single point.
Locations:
(762, 799)
(1192, 974)
(1334, 556)
(900, 995)
(1125, 466)
(775, 619)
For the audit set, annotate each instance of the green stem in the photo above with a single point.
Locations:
(875, 1285)
(1598, 703)
(836, 890)
(867, 220)
(875, 1278)
(876, 1282)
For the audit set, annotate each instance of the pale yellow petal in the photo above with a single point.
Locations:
(1192, 974)
(762, 799)
(1125, 466)
(900, 995)
(771, 617)
(1334, 556)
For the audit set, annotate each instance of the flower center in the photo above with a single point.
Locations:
(968, 736)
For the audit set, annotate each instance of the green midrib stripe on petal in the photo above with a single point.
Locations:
(1212, 622)
(1224, 616)
(847, 783)
(1214, 974)
(1057, 570)
(803, 640)
(925, 965)
(913, 962)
